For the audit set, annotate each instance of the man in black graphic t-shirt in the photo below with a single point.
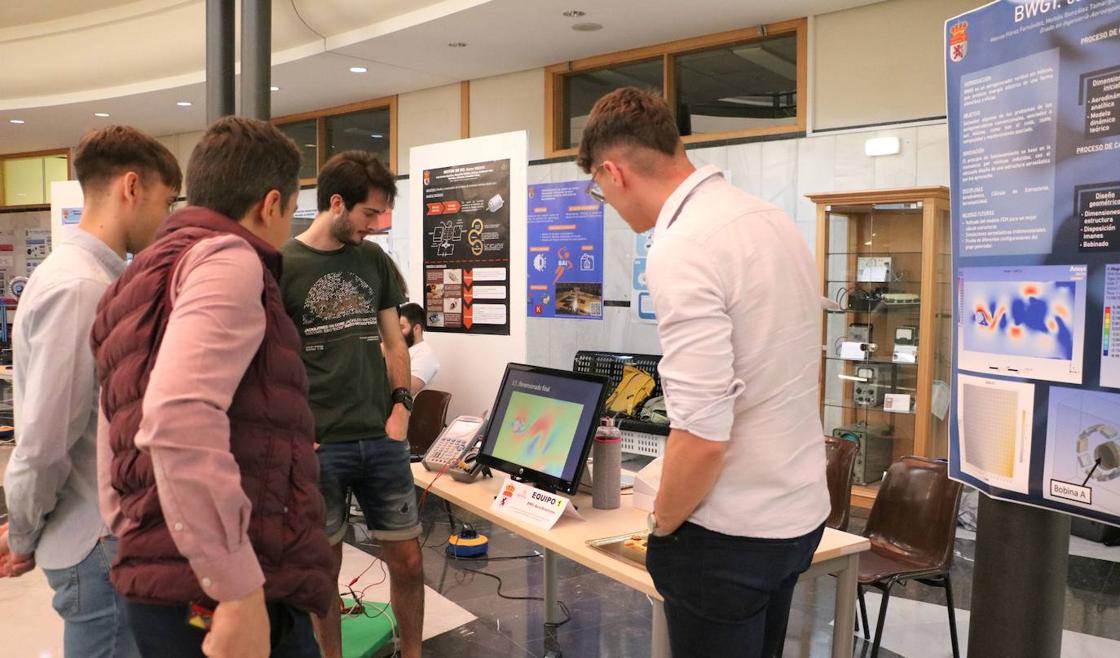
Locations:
(341, 293)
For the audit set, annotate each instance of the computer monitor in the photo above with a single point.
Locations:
(542, 425)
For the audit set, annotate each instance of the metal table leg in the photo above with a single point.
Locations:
(842, 635)
(659, 645)
(551, 607)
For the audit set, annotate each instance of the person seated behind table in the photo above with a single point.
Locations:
(425, 363)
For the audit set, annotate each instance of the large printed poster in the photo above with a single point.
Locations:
(565, 252)
(1034, 130)
(466, 248)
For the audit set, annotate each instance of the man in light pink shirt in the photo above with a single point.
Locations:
(206, 461)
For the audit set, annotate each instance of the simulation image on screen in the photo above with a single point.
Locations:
(1082, 464)
(994, 419)
(1023, 321)
(537, 432)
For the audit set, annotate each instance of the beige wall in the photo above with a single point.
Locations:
(882, 62)
(426, 117)
(181, 145)
(505, 103)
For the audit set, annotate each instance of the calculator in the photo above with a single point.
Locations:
(453, 443)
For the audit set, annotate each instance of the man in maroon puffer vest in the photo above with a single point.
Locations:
(206, 443)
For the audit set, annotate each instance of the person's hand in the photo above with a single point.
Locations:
(12, 565)
(396, 428)
(239, 629)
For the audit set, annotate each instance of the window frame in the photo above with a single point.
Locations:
(32, 154)
(555, 74)
(320, 116)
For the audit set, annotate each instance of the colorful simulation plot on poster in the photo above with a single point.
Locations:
(466, 248)
(1033, 93)
(565, 252)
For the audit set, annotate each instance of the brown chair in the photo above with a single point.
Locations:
(841, 458)
(429, 417)
(912, 528)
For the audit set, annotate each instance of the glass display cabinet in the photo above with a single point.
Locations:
(885, 268)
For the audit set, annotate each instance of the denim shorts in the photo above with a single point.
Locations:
(379, 474)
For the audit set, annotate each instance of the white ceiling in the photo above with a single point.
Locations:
(66, 59)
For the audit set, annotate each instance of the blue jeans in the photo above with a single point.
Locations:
(379, 473)
(724, 595)
(96, 619)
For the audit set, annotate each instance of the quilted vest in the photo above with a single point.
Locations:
(271, 432)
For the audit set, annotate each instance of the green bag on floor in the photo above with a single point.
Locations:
(370, 634)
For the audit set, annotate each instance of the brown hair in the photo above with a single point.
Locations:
(628, 117)
(238, 162)
(414, 314)
(351, 175)
(114, 150)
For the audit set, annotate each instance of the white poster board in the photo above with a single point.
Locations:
(66, 208)
(472, 365)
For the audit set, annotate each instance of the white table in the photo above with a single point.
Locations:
(838, 553)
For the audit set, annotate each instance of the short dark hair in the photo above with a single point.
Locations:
(414, 314)
(113, 150)
(238, 162)
(632, 117)
(351, 175)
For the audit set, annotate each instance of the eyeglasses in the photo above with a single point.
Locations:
(593, 189)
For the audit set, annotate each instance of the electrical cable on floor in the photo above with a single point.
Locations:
(558, 624)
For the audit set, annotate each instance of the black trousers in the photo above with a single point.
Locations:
(725, 595)
(162, 631)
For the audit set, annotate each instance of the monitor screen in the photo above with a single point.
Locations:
(542, 425)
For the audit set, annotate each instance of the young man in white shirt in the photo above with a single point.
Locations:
(129, 181)
(425, 363)
(743, 497)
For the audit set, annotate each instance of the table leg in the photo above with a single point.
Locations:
(659, 644)
(551, 607)
(846, 579)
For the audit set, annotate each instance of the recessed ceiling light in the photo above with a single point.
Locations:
(574, 13)
(184, 103)
(587, 27)
(376, 136)
(274, 88)
(17, 121)
(310, 146)
(456, 44)
(101, 114)
(358, 69)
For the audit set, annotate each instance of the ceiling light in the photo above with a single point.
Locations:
(574, 13)
(101, 114)
(274, 88)
(456, 44)
(358, 69)
(184, 103)
(310, 146)
(17, 121)
(587, 27)
(377, 136)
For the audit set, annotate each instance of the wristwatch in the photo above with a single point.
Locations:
(651, 524)
(1107, 452)
(403, 396)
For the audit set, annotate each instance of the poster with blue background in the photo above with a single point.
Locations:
(1033, 94)
(565, 252)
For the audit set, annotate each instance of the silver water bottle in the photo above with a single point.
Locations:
(606, 454)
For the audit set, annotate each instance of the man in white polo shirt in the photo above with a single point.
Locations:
(425, 363)
(743, 497)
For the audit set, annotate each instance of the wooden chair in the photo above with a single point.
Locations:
(912, 528)
(429, 417)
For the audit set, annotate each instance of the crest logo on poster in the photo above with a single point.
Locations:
(427, 177)
(958, 41)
